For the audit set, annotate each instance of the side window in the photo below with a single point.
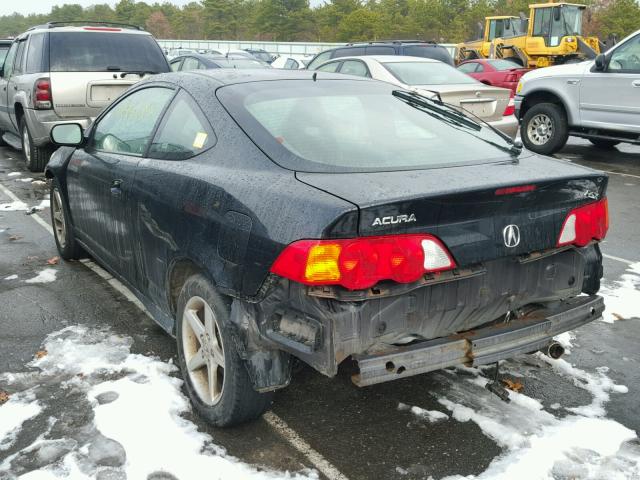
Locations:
(128, 126)
(184, 131)
(190, 63)
(349, 52)
(291, 64)
(380, 50)
(468, 67)
(355, 67)
(175, 65)
(35, 53)
(329, 67)
(541, 22)
(323, 57)
(626, 58)
(480, 68)
(18, 64)
(8, 62)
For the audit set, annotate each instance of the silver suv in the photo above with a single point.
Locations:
(60, 73)
(598, 99)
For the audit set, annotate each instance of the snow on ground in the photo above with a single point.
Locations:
(11, 277)
(14, 174)
(17, 410)
(23, 207)
(432, 416)
(47, 275)
(110, 414)
(25, 179)
(622, 297)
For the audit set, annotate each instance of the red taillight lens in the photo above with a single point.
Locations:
(511, 107)
(360, 263)
(42, 94)
(511, 77)
(586, 223)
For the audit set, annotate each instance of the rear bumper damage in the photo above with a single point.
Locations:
(482, 346)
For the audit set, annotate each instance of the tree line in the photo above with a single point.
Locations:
(333, 21)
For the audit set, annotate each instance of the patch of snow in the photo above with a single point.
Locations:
(11, 277)
(17, 410)
(432, 416)
(14, 174)
(13, 207)
(133, 405)
(47, 275)
(539, 445)
(25, 179)
(565, 339)
(622, 297)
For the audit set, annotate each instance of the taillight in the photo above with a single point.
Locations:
(586, 223)
(511, 77)
(511, 107)
(42, 94)
(360, 263)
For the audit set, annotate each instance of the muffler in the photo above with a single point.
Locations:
(553, 350)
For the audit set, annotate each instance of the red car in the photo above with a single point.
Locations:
(497, 72)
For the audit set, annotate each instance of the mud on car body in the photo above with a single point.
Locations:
(325, 218)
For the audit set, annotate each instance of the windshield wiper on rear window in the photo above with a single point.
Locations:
(453, 115)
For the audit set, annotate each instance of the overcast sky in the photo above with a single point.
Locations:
(44, 6)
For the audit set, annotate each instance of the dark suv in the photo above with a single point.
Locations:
(410, 48)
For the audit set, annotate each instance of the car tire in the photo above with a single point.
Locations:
(545, 128)
(215, 377)
(35, 157)
(68, 247)
(603, 144)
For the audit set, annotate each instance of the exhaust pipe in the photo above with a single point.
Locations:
(553, 350)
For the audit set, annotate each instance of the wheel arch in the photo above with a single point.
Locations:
(544, 96)
(180, 269)
(18, 109)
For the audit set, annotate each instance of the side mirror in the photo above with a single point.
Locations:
(67, 134)
(601, 62)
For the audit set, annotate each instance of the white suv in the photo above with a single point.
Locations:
(58, 73)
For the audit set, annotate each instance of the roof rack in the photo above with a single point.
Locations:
(378, 42)
(85, 22)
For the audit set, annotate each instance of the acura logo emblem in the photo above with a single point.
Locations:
(511, 235)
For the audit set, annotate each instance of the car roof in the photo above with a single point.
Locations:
(387, 58)
(231, 76)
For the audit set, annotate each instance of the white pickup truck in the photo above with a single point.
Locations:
(598, 99)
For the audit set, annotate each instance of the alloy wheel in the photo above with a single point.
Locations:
(26, 145)
(58, 218)
(203, 350)
(540, 129)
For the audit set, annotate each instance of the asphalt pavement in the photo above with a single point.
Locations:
(361, 432)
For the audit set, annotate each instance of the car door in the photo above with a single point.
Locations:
(13, 83)
(100, 177)
(5, 122)
(162, 221)
(610, 99)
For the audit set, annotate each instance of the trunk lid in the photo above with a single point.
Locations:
(488, 103)
(86, 94)
(462, 205)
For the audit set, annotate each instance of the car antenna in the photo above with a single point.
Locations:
(314, 76)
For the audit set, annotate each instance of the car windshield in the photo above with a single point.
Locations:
(427, 73)
(101, 51)
(503, 64)
(348, 126)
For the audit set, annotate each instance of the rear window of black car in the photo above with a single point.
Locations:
(428, 51)
(102, 51)
(350, 126)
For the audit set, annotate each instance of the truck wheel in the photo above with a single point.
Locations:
(215, 377)
(62, 229)
(603, 144)
(36, 158)
(544, 128)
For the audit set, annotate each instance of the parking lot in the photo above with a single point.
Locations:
(580, 413)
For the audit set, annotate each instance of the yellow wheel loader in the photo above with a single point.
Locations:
(552, 35)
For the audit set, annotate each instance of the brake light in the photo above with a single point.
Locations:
(511, 107)
(103, 29)
(512, 190)
(360, 263)
(42, 94)
(511, 77)
(586, 223)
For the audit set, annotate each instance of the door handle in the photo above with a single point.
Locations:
(636, 83)
(116, 189)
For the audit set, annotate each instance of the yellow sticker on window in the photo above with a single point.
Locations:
(200, 139)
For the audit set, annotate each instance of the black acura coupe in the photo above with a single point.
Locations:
(266, 215)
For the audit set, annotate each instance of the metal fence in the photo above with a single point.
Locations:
(280, 48)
